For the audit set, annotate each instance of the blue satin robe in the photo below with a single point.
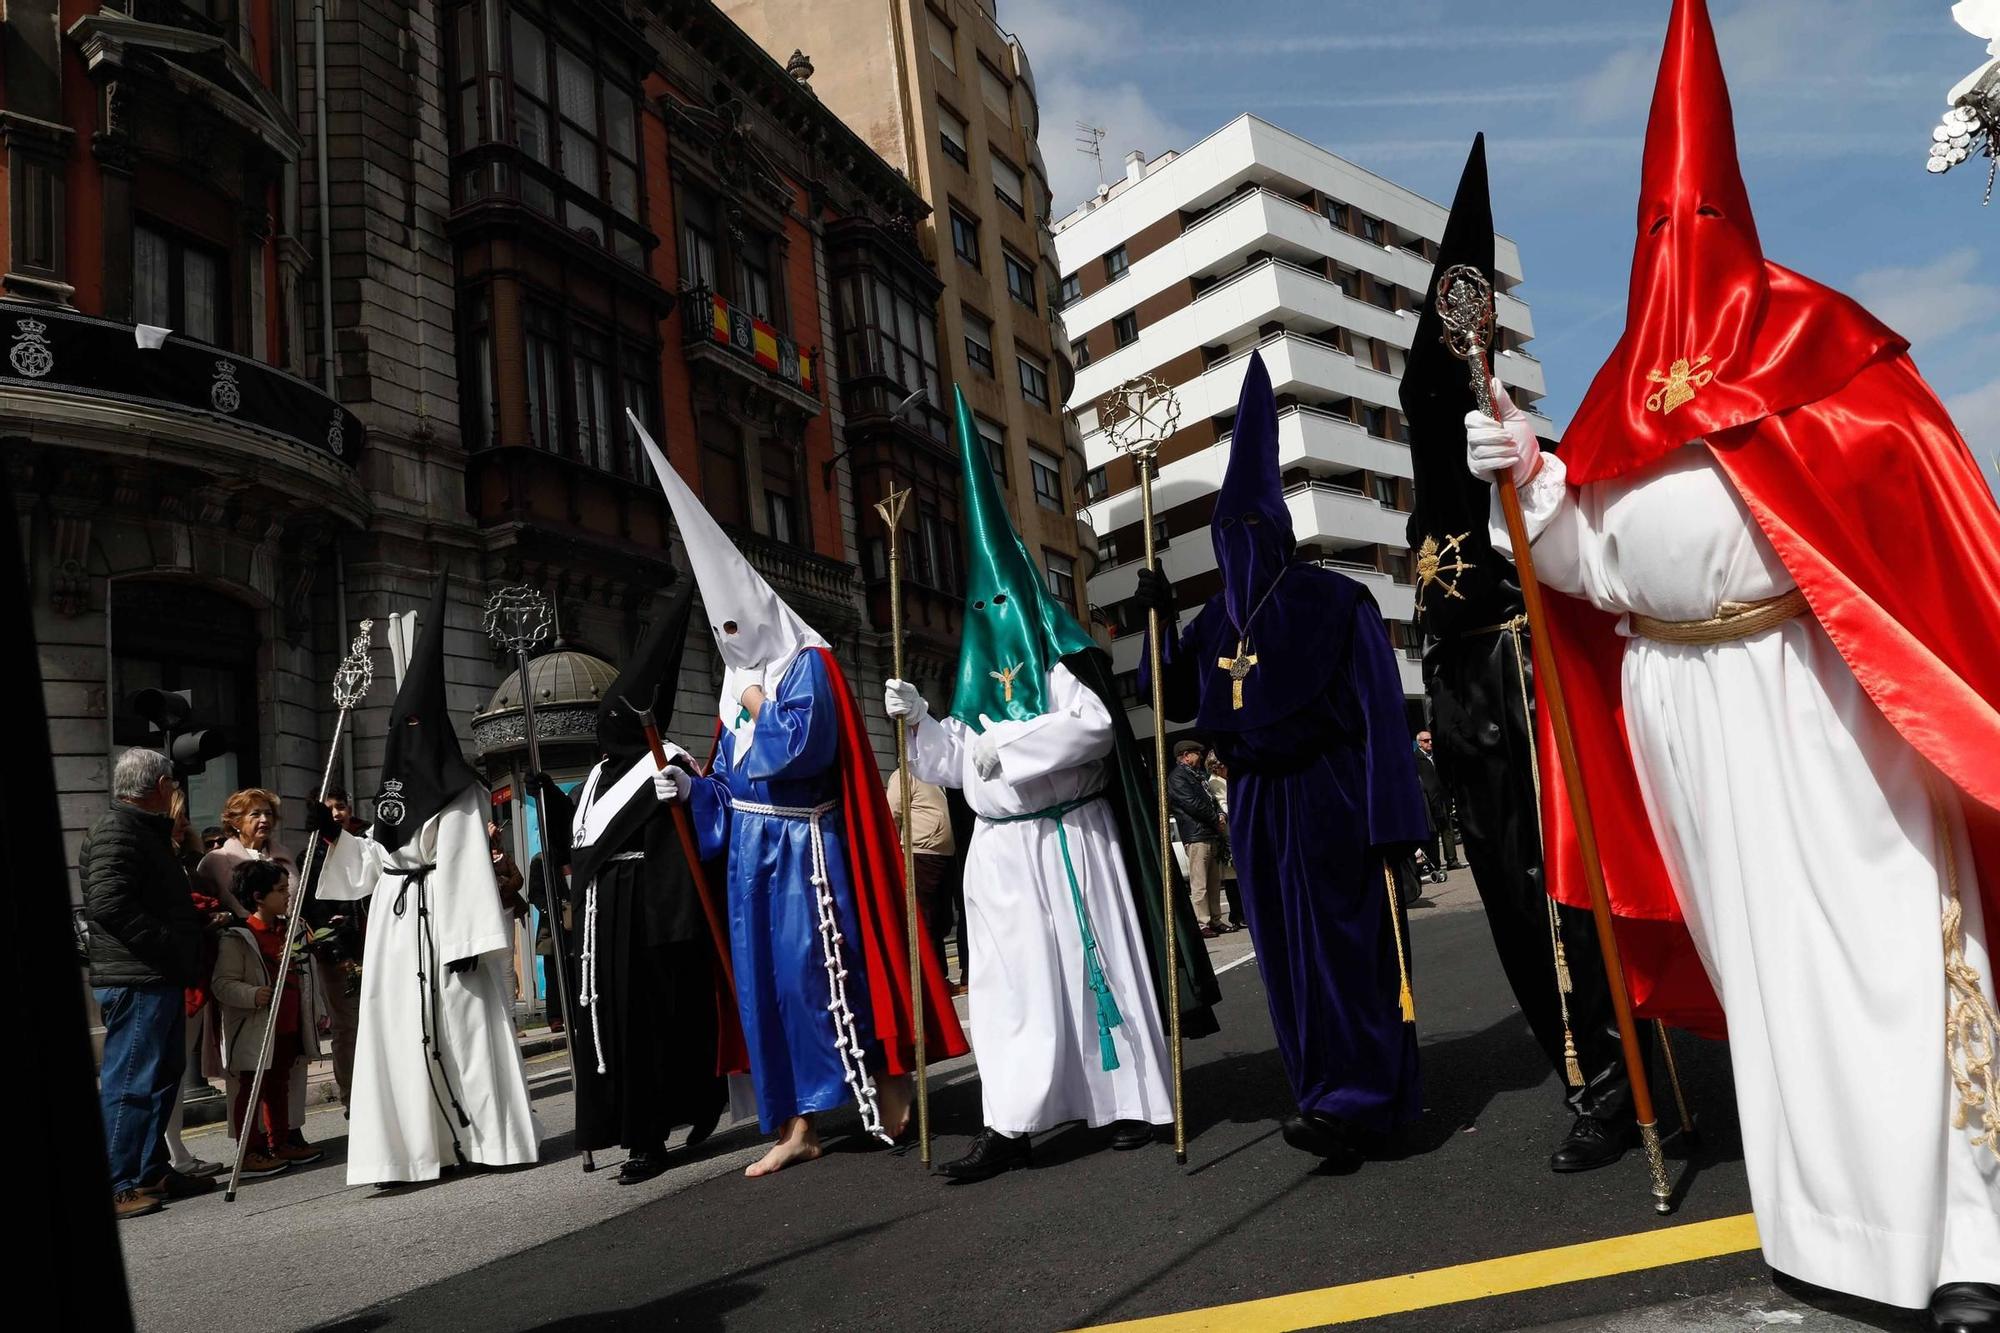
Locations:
(1319, 793)
(782, 990)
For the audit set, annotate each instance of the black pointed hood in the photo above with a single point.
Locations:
(1463, 583)
(423, 770)
(649, 677)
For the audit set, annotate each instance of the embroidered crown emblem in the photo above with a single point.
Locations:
(30, 354)
(389, 806)
(1683, 377)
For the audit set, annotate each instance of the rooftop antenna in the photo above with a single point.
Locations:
(1090, 142)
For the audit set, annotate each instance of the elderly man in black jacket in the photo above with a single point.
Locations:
(145, 948)
(1202, 829)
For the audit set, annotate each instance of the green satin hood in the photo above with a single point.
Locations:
(1015, 630)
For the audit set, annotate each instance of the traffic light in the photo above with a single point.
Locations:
(189, 750)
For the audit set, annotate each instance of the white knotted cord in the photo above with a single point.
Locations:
(846, 1034)
(1972, 1029)
(586, 980)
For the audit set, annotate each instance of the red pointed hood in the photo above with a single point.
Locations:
(1715, 334)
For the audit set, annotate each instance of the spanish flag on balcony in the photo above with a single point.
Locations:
(764, 345)
(718, 320)
(806, 369)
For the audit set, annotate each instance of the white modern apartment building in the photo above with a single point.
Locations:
(1256, 238)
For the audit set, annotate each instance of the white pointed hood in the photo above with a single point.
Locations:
(757, 635)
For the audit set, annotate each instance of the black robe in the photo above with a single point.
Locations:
(654, 1008)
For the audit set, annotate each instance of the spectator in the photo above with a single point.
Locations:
(200, 1038)
(340, 930)
(246, 976)
(1443, 849)
(936, 848)
(1202, 825)
(250, 818)
(213, 837)
(145, 950)
(341, 806)
(1218, 787)
(507, 877)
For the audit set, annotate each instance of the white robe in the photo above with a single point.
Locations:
(1033, 1018)
(401, 1125)
(1798, 831)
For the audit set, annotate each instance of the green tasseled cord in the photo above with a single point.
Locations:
(1108, 1016)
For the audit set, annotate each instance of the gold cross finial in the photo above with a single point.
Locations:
(1006, 678)
(1238, 668)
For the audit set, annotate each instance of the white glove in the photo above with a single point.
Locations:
(672, 783)
(1503, 445)
(986, 751)
(901, 699)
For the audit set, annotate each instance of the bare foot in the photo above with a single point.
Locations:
(797, 1142)
(894, 1095)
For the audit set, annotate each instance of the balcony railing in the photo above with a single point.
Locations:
(61, 351)
(711, 320)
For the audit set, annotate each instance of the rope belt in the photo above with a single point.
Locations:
(846, 1033)
(1972, 1028)
(586, 982)
(1108, 1016)
(1735, 620)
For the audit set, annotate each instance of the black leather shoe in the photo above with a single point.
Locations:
(1323, 1136)
(1127, 1135)
(1965, 1307)
(642, 1164)
(1592, 1143)
(992, 1153)
(699, 1131)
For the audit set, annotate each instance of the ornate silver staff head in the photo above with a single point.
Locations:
(1465, 305)
(356, 671)
(518, 618)
(1139, 415)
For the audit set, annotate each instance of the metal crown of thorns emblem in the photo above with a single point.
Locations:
(517, 619)
(1139, 414)
(356, 671)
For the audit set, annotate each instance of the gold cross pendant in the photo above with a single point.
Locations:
(1006, 678)
(1238, 667)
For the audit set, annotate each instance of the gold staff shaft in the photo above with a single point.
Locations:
(1173, 989)
(891, 510)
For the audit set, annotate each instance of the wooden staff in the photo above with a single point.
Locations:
(891, 509)
(1465, 302)
(718, 933)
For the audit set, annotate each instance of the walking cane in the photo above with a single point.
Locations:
(1140, 414)
(1465, 303)
(351, 680)
(684, 827)
(891, 509)
(517, 619)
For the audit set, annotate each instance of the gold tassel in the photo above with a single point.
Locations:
(1563, 982)
(1972, 1028)
(1404, 998)
(1572, 1068)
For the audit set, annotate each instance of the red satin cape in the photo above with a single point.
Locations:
(1879, 513)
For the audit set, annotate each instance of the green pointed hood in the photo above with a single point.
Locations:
(1012, 624)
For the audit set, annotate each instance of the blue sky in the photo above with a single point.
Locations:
(1834, 101)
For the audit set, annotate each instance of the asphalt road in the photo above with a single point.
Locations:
(864, 1238)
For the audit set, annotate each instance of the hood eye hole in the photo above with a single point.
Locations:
(1659, 225)
(1250, 520)
(1709, 211)
(979, 606)
(999, 599)
(728, 627)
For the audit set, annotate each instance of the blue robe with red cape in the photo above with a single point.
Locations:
(1323, 790)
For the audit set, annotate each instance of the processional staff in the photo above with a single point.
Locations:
(1465, 304)
(1139, 415)
(351, 680)
(517, 620)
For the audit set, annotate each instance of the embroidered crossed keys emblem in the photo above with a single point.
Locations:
(1683, 377)
(1238, 668)
(1006, 678)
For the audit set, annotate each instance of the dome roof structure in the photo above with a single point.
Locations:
(567, 686)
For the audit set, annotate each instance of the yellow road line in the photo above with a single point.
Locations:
(1462, 1282)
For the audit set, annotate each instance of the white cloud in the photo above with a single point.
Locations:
(1976, 413)
(1926, 302)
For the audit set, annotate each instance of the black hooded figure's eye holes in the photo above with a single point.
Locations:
(412, 720)
(1659, 225)
(979, 606)
(1251, 520)
(1709, 211)
(999, 599)
(728, 627)
(1226, 523)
